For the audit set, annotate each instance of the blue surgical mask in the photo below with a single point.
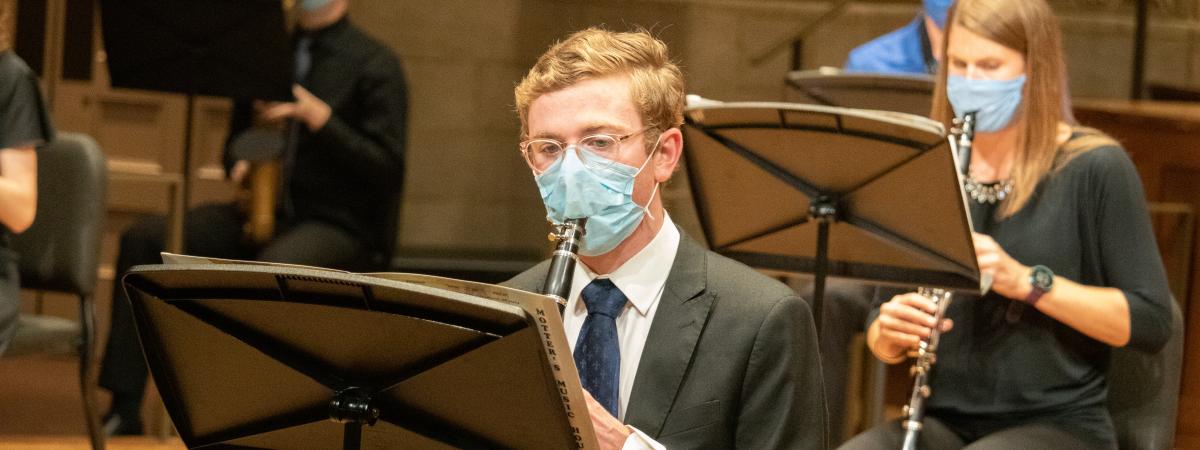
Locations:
(993, 101)
(572, 190)
(312, 5)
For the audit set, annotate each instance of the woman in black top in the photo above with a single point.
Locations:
(23, 126)
(1061, 229)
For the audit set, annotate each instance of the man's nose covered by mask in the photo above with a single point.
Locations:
(572, 190)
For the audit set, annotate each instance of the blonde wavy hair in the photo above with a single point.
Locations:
(1030, 28)
(656, 83)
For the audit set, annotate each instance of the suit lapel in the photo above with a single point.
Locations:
(681, 314)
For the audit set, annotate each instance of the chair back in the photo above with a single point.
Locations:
(1143, 391)
(60, 251)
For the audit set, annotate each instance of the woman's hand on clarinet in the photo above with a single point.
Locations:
(903, 322)
(1009, 277)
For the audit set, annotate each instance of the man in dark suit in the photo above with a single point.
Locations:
(676, 346)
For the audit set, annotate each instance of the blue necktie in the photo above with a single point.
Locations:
(597, 352)
(303, 58)
(303, 62)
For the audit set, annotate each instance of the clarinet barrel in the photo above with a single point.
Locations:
(562, 263)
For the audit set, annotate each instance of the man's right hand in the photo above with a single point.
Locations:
(610, 432)
(310, 110)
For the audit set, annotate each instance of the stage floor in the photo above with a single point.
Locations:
(44, 442)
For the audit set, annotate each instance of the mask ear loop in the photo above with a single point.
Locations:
(646, 207)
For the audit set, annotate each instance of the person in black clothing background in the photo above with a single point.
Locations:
(342, 167)
(24, 125)
(1061, 227)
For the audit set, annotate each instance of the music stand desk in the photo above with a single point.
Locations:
(258, 356)
(225, 48)
(912, 94)
(868, 195)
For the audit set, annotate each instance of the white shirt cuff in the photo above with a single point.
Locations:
(640, 441)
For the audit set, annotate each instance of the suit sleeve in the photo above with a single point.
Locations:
(783, 401)
(372, 145)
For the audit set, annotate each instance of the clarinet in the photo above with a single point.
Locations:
(926, 352)
(926, 356)
(964, 131)
(562, 263)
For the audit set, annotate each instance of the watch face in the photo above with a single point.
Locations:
(1043, 278)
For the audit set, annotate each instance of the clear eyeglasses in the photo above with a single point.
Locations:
(597, 151)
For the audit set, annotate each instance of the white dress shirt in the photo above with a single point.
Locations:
(642, 279)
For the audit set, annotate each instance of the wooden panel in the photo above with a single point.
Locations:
(1174, 228)
(141, 126)
(210, 124)
(69, 103)
(140, 194)
(1163, 139)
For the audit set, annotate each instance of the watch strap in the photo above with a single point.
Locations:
(1039, 286)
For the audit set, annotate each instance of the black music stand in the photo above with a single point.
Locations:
(254, 356)
(867, 195)
(226, 48)
(912, 94)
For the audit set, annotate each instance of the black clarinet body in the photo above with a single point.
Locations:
(963, 134)
(562, 263)
(926, 356)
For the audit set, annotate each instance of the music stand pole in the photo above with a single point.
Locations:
(353, 408)
(1139, 50)
(824, 212)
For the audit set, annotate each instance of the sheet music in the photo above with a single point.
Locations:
(177, 258)
(542, 308)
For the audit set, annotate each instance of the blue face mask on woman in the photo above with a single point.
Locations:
(994, 102)
(313, 5)
(572, 190)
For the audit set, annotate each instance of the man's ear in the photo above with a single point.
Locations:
(670, 149)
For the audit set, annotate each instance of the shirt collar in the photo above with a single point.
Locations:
(643, 276)
(324, 33)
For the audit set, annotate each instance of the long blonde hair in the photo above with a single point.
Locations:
(1030, 28)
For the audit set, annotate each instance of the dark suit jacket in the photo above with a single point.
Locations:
(731, 360)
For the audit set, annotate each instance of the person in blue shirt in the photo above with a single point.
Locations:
(911, 49)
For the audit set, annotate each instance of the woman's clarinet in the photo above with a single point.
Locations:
(926, 353)
(964, 133)
(926, 356)
(562, 263)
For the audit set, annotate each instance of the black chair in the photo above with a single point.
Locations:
(60, 252)
(1143, 392)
